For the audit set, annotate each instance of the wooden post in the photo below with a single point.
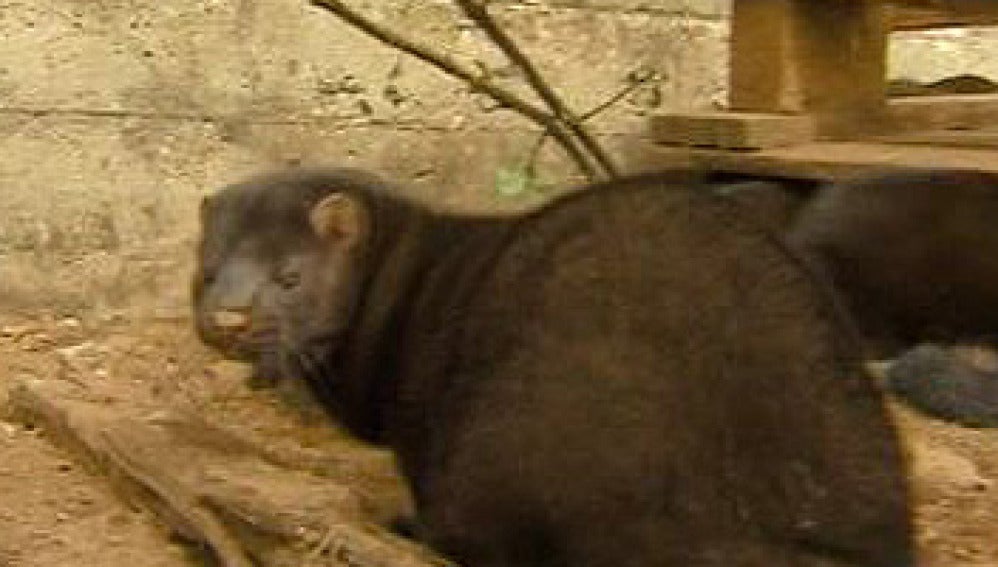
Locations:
(824, 58)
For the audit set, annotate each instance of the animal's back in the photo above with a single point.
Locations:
(646, 348)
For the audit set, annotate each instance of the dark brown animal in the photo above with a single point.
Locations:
(771, 203)
(243, 269)
(913, 253)
(235, 295)
(633, 375)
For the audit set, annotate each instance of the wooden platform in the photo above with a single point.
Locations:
(827, 58)
(821, 64)
(821, 161)
(981, 139)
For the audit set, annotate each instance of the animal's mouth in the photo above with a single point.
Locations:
(244, 345)
(232, 350)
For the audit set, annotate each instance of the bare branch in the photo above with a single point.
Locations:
(535, 151)
(471, 75)
(628, 89)
(477, 11)
(635, 80)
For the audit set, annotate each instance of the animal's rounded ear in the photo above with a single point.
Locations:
(340, 217)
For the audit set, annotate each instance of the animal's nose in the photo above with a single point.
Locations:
(230, 321)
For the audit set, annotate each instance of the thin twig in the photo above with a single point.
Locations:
(478, 80)
(536, 150)
(322, 546)
(588, 115)
(616, 97)
(477, 11)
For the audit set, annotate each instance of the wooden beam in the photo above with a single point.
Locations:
(916, 20)
(953, 112)
(734, 130)
(830, 160)
(927, 14)
(974, 139)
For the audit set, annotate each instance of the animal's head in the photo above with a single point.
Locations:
(279, 263)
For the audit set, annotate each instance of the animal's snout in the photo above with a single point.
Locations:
(230, 321)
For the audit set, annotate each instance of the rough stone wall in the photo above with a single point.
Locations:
(931, 55)
(117, 115)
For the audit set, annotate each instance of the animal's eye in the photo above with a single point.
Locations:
(289, 275)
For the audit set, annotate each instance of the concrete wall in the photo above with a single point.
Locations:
(932, 55)
(117, 115)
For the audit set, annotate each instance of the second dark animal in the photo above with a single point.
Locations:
(912, 252)
(914, 255)
(633, 375)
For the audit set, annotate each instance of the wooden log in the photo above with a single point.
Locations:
(215, 488)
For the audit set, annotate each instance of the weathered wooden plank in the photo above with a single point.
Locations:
(942, 112)
(830, 160)
(736, 130)
(982, 139)
(212, 487)
(927, 14)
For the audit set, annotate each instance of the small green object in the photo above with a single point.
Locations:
(514, 181)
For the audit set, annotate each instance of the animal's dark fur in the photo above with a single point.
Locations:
(771, 203)
(631, 376)
(246, 233)
(912, 252)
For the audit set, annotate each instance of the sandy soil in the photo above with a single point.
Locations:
(56, 513)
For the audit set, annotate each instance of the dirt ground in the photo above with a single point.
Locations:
(57, 513)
